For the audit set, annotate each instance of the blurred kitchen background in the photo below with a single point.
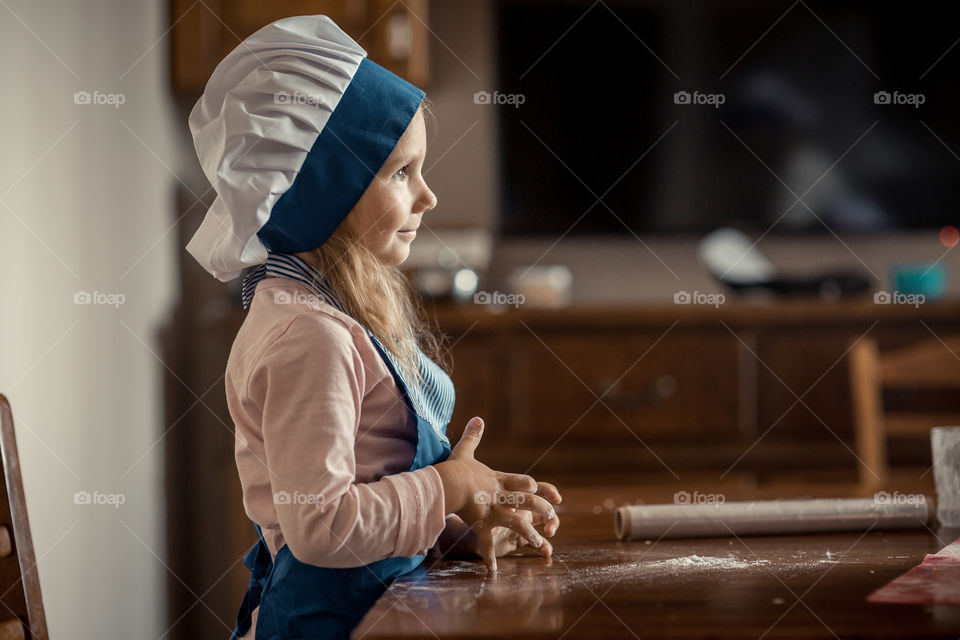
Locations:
(585, 155)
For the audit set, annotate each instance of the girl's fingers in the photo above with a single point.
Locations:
(519, 522)
(549, 492)
(487, 549)
(468, 442)
(508, 542)
(518, 482)
(545, 550)
(549, 526)
(529, 502)
(523, 482)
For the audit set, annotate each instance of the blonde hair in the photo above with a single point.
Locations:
(380, 297)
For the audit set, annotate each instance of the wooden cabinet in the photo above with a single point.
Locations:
(622, 385)
(394, 34)
(638, 390)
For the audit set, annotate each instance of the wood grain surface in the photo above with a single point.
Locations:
(809, 586)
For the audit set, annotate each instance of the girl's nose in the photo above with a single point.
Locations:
(428, 201)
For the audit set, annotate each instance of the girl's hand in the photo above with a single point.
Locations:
(460, 540)
(487, 499)
(507, 541)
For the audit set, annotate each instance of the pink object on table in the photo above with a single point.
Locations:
(936, 580)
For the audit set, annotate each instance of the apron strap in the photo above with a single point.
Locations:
(260, 563)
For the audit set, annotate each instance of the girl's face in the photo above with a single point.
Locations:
(386, 217)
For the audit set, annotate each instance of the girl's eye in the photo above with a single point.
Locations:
(402, 173)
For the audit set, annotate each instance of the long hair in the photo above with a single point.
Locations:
(380, 297)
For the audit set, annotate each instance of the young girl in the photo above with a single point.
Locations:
(316, 155)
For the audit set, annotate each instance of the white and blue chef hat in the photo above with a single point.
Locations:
(291, 128)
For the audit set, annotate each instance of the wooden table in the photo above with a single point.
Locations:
(811, 586)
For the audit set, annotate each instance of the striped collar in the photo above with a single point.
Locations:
(284, 265)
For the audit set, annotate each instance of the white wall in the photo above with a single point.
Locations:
(461, 163)
(85, 206)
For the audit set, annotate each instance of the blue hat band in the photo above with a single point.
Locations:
(372, 115)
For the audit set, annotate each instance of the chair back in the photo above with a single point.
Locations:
(21, 606)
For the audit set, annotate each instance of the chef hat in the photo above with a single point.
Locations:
(290, 130)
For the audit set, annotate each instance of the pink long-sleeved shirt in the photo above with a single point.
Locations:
(323, 436)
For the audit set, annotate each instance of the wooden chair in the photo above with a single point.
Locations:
(21, 607)
(931, 364)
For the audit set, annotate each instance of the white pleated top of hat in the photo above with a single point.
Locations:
(262, 109)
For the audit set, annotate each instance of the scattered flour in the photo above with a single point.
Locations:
(670, 569)
(458, 567)
(706, 563)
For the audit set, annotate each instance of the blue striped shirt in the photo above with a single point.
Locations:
(433, 399)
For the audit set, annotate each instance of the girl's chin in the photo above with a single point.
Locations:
(395, 256)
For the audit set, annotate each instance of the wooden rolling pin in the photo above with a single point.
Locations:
(767, 517)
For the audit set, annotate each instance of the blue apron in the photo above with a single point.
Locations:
(299, 600)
